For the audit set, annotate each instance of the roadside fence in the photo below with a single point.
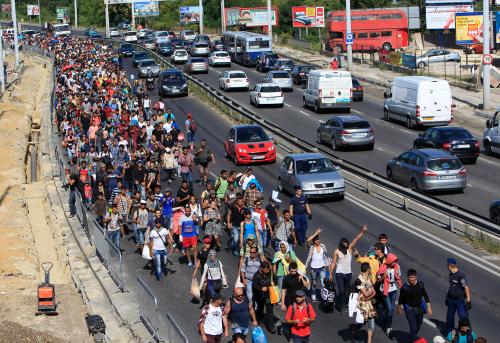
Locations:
(148, 310)
(172, 331)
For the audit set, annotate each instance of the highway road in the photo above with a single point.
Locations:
(418, 243)
(391, 138)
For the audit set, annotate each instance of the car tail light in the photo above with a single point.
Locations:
(428, 173)
(320, 93)
(462, 171)
(246, 79)
(350, 91)
(417, 111)
(344, 132)
(259, 95)
(476, 146)
(301, 74)
(372, 131)
(281, 93)
(446, 146)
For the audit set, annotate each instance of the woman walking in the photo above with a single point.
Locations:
(213, 274)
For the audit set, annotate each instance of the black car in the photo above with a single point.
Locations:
(172, 82)
(217, 45)
(139, 56)
(176, 43)
(299, 73)
(165, 48)
(457, 140)
(495, 212)
(187, 44)
(357, 90)
(126, 50)
(266, 61)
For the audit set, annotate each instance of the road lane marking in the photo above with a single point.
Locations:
(469, 185)
(484, 159)
(426, 236)
(211, 68)
(303, 112)
(288, 105)
(321, 121)
(379, 148)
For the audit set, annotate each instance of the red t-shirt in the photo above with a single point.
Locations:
(300, 314)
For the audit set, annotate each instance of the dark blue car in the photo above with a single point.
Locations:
(126, 50)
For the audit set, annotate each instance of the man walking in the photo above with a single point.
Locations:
(114, 225)
(249, 267)
(240, 312)
(301, 212)
(213, 321)
(458, 298)
(158, 248)
(300, 315)
(186, 161)
(190, 239)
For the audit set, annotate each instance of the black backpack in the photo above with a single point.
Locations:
(307, 309)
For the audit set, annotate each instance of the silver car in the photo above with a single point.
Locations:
(314, 172)
(346, 130)
(196, 65)
(437, 55)
(200, 49)
(428, 170)
(281, 78)
(149, 44)
(148, 65)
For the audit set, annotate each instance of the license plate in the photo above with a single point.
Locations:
(463, 146)
(175, 91)
(257, 157)
(447, 177)
(428, 118)
(359, 134)
(326, 191)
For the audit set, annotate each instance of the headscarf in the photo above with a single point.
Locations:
(257, 184)
(342, 248)
(212, 262)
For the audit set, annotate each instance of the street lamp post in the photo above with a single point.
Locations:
(75, 3)
(14, 23)
(200, 4)
(348, 33)
(2, 70)
(222, 15)
(106, 14)
(269, 21)
(39, 14)
(486, 51)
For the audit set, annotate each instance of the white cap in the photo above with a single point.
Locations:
(274, 196)
(438, 339)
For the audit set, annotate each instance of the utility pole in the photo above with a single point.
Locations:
(200, 4)
(348, 32)
(270, 22)
(106, 14)
(2, 71)
(14, 22)
(486, 51)
(133, 16)
(39, 14)
(222, 15)
(75, 3)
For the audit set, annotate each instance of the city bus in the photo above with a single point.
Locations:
(372, 30)
(59, 29)
(245, 47)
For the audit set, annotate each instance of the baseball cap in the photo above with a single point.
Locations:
(297, 187)
(300, 293)
(250, 236)
(451, 260)
(143, 202)
(207, 240)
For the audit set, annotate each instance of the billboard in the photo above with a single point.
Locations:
(117, 2)
(33, 9)
(443, 17)
(250, 17)
(469, 28)
(497, 28)
(146, 9)
(6, 8)
(189, 14)
(305, 16)
(61, 13)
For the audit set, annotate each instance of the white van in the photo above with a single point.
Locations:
(130, 36)
(328, 89)
(418, 100)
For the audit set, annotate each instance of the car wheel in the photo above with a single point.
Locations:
(387, 46)
(316, 107)
(421, 65)
(340, 197)
(487, 148)
(220, 86)
(318, 137)
(415, 146)
(386, 115)
(333, 143)
(360, 99)
(409, 124)
(389, 174)
(495, 216)
(473, 160)
(304, 104)
(281, 105)
(414, 185)
(472, 51)
(370, 147)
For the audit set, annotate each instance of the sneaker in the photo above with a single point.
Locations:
(313, 297)
(162, 279)
(388, 332)
(190, 264)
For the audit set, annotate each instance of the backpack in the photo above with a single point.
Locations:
(307, 309)
(423, 304)
(455, 337)
(193, 126)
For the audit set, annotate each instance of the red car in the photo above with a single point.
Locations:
(247, 144)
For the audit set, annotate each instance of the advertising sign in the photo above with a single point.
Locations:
(304, 16)
(33, 9)
(116, 2)
(146, 9)
(443, 17)
(189, 14)
(469, 28)
(250, 17)
(61, 13)
(497, 28)
(6, 8)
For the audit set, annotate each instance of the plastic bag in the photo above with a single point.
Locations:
(195, 288)
(145, 252)
(258, 335)
(238, 283)
(274, 294)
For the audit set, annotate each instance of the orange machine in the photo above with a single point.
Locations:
(46, 293)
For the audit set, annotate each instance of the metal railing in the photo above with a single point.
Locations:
(173, 332)
(81, 214)
(148, 310)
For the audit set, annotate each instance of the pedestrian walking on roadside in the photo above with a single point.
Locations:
(301, 213)
(235, 216)
(204, 156)
(389, 277)
(281, 261)
(285, 230)
(187, 224)
(414, 302)
(190, 128)
(299, 316)
(458, 297)
(341, 264)
(213, 321)
(248, 268)
(213, 274)
(72, 180)
(262, 280)
(186, 162)
(463, 333)
(159, 239)
(140, 220)
(317, 262)
(365, 292)
(240, 312)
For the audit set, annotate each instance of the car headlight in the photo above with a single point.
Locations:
(166, 88)
(242, 150)
(271, 148)
(184, 85)
(340, 183)
(307, 185)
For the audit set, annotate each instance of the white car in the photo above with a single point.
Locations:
(267, 94)
(161, 37)
(130, 36)
(179, 56)
(233, 79)
(113, 32)
(142, 33)
(218, 58)
(187, 35)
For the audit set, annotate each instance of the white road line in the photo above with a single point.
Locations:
(379, 148)
(211, 68)
(428, 237)
(321, 121)
(303, 112)
(403, 130)
(288, 105)
(357, 112)
(469, 185)
(483, 159)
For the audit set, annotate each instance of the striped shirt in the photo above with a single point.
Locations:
(250, 267)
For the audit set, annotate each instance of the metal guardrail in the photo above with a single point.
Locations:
(458, 219)
(173, 331)
(148, 310)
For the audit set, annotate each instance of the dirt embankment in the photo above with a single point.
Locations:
(26, 235)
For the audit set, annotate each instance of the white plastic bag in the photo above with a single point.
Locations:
(145, 252)
(238, 283)
(195, 288)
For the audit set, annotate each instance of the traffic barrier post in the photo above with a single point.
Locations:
(148, 310)
(114, 264)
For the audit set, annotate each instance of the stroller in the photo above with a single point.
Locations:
(328, 296)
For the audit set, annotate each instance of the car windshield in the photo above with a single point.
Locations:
(272, 56)
(270, 89)
(162, 34)
(315, 166)
(188, 33)
(444, 164)
(127, 46)
(454, 134)
(181, 53)
(222, 54)
(286, 62)
(356, 125)
(237, 76)
(281, 75)
(147, 63)
(165, 45)
(149, 41)
(251, 134)
(173, 77)
(130, 34)
(197, 60)
(140, 54)
(201, 45)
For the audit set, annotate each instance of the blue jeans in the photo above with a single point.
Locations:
(239, 329)
(249, 290)
(300, 339)
(72, 203)
(390, 304)
(455, 305)
(160, 258)
(211, 292)
(189, 178)
(317, 275)
(114, 237)
(139, 234)
(263, 238)
(414, 316)
(235, 239)
(190, 136)
(300, 222)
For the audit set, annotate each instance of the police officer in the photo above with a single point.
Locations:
(458, 296)
(301, 212)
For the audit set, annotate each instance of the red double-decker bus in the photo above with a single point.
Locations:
(372, 30)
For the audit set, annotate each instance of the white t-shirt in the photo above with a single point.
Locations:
(157, 237)
(213, 321)
(392, 281)
(113, 224)
(142, 218)
(344, 262)
(147, 103)
(317, 260)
